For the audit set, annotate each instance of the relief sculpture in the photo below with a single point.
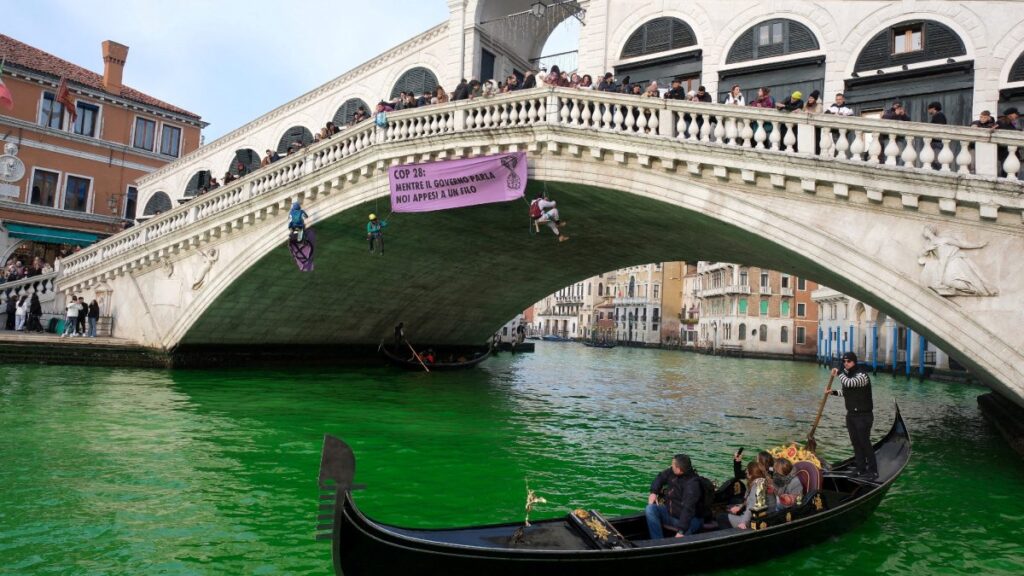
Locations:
(948, 270)
(209, 259)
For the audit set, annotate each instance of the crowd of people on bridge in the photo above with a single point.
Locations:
(16, 270)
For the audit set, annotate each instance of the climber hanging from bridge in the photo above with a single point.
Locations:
(300, 240)
(375, 233)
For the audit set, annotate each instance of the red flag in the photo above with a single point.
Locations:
(6, 99)
(65, 98)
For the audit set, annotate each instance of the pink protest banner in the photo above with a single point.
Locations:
(457, 183)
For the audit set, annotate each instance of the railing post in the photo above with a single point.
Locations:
(666, 127)
(460, 119)
(986, 158)
(551, 117)
(805, 139)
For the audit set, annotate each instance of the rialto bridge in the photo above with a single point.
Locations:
(921, 221)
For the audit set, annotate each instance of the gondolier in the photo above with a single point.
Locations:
(856, 391)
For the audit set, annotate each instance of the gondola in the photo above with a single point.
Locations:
(403, 361)
(596, 344)
(553, 338)
(567, 545)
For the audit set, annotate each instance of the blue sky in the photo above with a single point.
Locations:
(229, 61)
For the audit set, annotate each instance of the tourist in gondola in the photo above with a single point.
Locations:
(856, 392)
(785, 485)
(681, 489)
(758, 499)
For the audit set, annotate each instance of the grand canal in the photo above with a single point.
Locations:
(213, 472)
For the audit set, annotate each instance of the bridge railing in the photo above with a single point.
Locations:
(909, 145)
(43, 285)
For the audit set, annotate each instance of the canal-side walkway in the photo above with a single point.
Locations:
(47, 348)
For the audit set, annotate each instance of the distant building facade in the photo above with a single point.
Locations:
(80, 153)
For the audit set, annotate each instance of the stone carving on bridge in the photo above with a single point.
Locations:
(168, 268)
(209, 259)
(948, 270)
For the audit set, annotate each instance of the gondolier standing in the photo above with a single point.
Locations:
(856, 391)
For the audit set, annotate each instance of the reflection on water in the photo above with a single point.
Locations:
(198, 472)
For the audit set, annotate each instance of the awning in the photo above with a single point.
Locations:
(49, 235)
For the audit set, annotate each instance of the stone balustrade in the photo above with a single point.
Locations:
(44, 285)
(982, 163)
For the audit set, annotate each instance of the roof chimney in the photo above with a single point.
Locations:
(114, 55)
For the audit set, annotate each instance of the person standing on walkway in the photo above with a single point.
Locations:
(20, 314)
(856, 391)
(35, 314)
(71, 318)
(93, 316)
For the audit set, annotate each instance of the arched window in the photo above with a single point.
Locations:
(772, 38)
(659, 35)
(590, 288)
(600, 288)
(632, 286)
(157, 204)
(344, 114)
(784, 334)
(200, 182)
(763, 333)
(1017, 72)
(743, 331)
(249, 159)
(418, 80)
(909, 42)
(293, 135)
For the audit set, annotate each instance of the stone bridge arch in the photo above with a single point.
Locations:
(680, 216)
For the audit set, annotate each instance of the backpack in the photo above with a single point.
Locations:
(707, 489)
(535, 211)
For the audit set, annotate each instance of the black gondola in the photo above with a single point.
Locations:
(404, 361)
(597, 344)
(564, 546)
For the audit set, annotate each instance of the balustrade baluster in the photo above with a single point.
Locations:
(705, 128)
(719, 129)
(563, 110)
(746, 133)
(574, 114)
(1012, 164)
(731, 133)
(857, 147)
(892, 151)
(653, 123)
(945, 156)
(606, 117)
(760, 135)
(909, 155)
(630, 119)
(586, 115)
(488, 118)
(641, 120)
(682, 130)
(842, 145)
(617, 118)
(964, 158)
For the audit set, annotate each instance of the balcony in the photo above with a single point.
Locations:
(723, 290)
(635, 301)
(785, 292)
(705, 267)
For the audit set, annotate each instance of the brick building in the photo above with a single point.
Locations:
(75, 172)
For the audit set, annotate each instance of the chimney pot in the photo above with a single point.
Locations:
(114, 56)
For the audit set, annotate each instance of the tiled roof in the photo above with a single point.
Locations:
(31, 58)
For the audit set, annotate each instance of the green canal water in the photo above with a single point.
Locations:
(111, 472)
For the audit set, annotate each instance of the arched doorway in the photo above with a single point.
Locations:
(295, 134)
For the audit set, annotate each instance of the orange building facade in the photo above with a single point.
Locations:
(76, 172)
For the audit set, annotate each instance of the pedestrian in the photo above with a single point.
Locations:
(839, 107)
(35, 314)
(11, 309)
(94, 316)
(83, 312)
(735, 96)
(856, 391)
(21, 313)
(935, 114)
(70, 318)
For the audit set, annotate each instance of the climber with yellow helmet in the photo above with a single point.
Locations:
(375, 233)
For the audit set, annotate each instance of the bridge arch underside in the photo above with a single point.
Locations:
(454, 277)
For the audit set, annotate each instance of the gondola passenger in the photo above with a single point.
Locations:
(785, 485)
(682, 492)
(758, 499)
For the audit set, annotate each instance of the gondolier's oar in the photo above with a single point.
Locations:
(812, 444)
(413, 350)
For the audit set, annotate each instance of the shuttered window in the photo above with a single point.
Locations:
(159, 202)
(294, 134)
(1017, 72)
(659, 35)
(343, 116)
(935, 41)
(417, 81)
(772, 38)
